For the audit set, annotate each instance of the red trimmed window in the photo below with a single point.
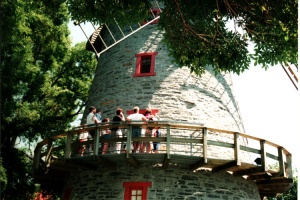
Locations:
(136, 190)
(155, 12)
(145, 63)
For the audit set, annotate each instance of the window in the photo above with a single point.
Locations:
(136, 190)
(145, 64)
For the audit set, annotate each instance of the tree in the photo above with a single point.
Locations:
(44, 81)
(197, 32)
(292, 194)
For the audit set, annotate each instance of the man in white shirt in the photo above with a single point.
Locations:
(92, 119)
(136, 131)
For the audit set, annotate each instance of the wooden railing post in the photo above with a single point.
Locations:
(168, 141)
(204, 145)
(263, 155)
(237, 149)
(68, 145)
(128, 145)
(289, 167)
(282, 171)
(96, 141)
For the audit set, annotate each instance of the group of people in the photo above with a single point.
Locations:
(94, 117)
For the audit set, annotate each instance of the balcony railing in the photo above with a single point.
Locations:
(190, 145)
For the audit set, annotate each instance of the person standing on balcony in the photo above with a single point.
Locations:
(106, 133)
(136, 131)
(156, 145)
(117, 132)
(98, 114)
(148, 132)
(92, 120)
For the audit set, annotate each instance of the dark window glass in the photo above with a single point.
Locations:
(146, 64)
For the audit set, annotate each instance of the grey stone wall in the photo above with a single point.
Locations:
(171, 184)
(178, 94)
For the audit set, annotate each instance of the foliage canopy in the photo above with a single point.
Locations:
(217, 33)
(44, 83)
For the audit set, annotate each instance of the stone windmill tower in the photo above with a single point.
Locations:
(203, 154)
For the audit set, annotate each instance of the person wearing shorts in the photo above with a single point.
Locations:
(136, 131)
(156, 145)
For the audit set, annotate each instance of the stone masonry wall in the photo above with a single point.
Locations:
(171, 184)
(174, 91)
(178, 94)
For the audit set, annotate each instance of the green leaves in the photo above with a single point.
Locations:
(105, 11)
(43, 78)
(197, 32)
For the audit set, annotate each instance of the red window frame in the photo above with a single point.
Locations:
(130, 186)
(139, 63)
(142, 111)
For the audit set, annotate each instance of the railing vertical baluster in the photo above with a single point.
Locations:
(281, 162)
(289, 168)
(128, 145)
(191, 146)
(96, 141)
(168, 141)
(263, 155)
(237, 149)
(204, 145)
(68, 145)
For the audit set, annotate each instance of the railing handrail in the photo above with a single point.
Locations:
(168, 125)
(162, 124)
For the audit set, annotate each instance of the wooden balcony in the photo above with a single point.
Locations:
(192, 146)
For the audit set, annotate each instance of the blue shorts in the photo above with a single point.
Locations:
(106, 136)
(156, 146)
(136, 132)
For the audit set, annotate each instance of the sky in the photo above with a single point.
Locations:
(268, 102)
(269, 106)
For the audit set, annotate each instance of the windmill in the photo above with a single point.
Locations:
(204, 152)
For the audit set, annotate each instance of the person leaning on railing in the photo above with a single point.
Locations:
(91, 119)
(136, 131)
(82, 137)
(106, 133)
(117, 132)
(156, 145)
(148, 146)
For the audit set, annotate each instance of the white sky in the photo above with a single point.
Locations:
(268, 101)
(269, 106)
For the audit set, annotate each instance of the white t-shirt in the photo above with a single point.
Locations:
(136, 117)
(89, 118)
(83, 136)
